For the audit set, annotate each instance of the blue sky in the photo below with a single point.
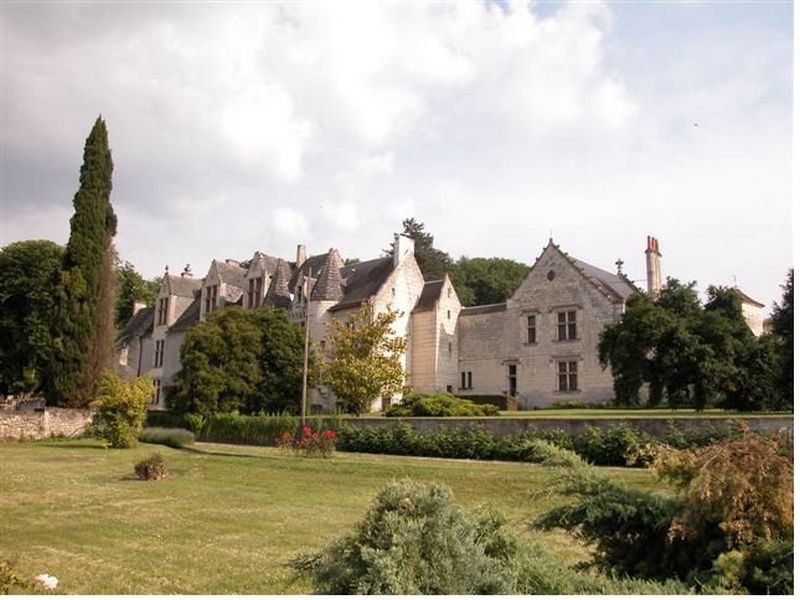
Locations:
(243, 127)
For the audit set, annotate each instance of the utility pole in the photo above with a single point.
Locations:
(305, 352)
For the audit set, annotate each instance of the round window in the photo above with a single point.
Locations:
(551, 275)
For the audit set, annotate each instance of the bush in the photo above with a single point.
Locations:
(614, 446)
(174, 438)
(769, 568)
(152, 468)
(163, 418)
(500, 401)
(416, 540)
(309, 442)
(570, 403)
(416, 404)
(261, 430)
(11, 582)
(120, 409)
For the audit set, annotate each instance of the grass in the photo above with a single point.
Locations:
(226, 519)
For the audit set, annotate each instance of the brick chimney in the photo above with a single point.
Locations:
(653, 259)
(301, 255)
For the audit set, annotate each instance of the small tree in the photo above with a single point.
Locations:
(120, 409)
(363, 359)
(131, 287)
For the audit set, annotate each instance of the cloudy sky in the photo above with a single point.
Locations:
(258, 126)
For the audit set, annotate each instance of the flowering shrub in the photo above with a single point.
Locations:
(48, 582)
(309, 442)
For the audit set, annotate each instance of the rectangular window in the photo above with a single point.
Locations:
(531, 329)
(163, 306)
(568, 376)
(567, 326)
(211, 298)
(157, 393)
(466, 380)
(254, 295)
(512, 380)
(159, 356)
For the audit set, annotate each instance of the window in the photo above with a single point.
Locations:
(157, 395)
(448, 315)
(567, 326)
(466, 380)
(254, 292)
(568, 376)
(163, 307)
(512, 380)
(531, 329)
(159, 355)
(211, 297)
(449, 349)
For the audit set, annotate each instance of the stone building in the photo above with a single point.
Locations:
(539, 346)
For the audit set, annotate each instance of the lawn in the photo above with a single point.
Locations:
(227, 519)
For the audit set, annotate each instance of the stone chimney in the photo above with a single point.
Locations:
(138, 305)
(187, 271)
(653, 258)
(301, 255)
(231, 262)
(402, 247)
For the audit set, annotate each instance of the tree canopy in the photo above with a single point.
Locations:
(363, 358)
(695, 355)
(245, 361)
(131, 287)
(84, 326)
(27, 304)
(783, 337)
(480, 281)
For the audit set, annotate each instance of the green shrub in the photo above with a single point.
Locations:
(417, 404)
(769, 567)
(120, 409)
(260, 430)
(570, 403)
(152, 468)
(174, 438)
(194, 422)
(614, 446)
(164, 418)
(11, 581)
(500, 401)
(416, 540)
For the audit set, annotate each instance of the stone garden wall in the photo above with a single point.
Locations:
(43, 423)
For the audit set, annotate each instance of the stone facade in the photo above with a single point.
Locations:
(539, 346)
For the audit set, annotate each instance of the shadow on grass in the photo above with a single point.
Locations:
(64, 445)
(213, 452)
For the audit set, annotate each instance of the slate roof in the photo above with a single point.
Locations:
(363, 280)
(617, 286)
(430, 294)
(330, 282)
(265, 261)
(182, 286)
(278, 291)
(139, 324)
(480, 310)
(746, 299)
(189, 317)
(232, 274)
(315, 263)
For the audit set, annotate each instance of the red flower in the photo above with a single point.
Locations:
(330, 434)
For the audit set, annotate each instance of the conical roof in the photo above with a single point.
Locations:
(329, 282)
(278, 294)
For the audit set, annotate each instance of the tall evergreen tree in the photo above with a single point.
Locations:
(85, 305)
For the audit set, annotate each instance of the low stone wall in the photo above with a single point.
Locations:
(501, 426)
(38, 424)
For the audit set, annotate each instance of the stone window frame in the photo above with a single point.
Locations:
(466, 380)
(255, 291)
(157, 393)
(568, 373)
(212, 294)
(158, 354)
(565, 310)
(163, 311)
(526, 328)
(512, 391)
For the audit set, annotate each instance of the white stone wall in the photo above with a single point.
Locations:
(422, 349)
(753, 317)
(490, 342)
(447, 311)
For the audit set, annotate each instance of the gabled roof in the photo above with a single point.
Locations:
(263, 262)
(617, 288)
(189, 317)
(431, 292)
(330, 282)
(363, 280)
(139, 324)
(182, 286)
(746, 299)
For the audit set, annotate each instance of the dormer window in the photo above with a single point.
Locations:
(211, 297)
(163, 308)
(255, 292)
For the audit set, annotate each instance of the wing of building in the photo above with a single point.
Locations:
(540, 345)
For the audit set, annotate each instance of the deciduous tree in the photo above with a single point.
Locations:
(27, 304)
(131, 287)
(363, 358)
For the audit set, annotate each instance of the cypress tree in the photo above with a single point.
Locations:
(84, 320)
